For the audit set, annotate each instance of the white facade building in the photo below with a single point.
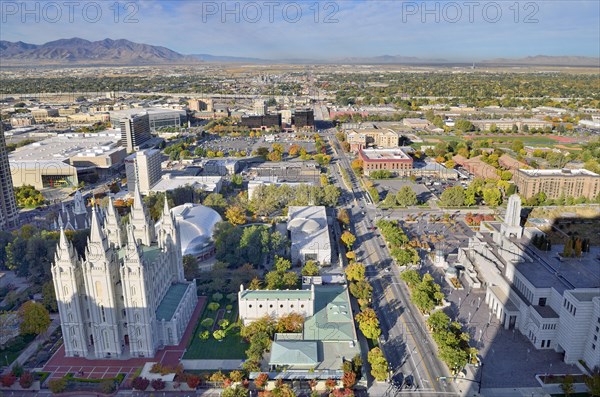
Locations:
(143, 169)
(128, 297)
(553, 301)
(309, 232)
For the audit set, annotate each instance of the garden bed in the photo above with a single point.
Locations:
(232, 346)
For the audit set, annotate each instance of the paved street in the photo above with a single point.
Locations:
(408, 347)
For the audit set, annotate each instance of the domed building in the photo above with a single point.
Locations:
(196, 223)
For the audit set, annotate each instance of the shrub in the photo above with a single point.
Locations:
(158, 384)
(9, 379)
(156, 368)
(213, 306)
(228, 308)
(140, 383)
(223, 323)
(217, 296)
(26, 380)
(204, 335)
(219, 334)
(57, 385)
(108, 386)
(193, 381)
(207, 322)
(17, 369)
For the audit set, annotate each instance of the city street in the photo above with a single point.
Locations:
(408, 347)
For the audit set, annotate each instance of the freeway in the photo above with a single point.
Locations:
(407, 345)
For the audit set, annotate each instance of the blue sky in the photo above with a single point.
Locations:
(454, 30)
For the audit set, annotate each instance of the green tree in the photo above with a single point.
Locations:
(379, 365)
(49, 297)
(406, 196)
(368, 323)
(355, 272)
(567, 386)
(190, 267)
(492, 196)
(593, 384)
(348, 239)
(453, 197)
(310, 269)
(35, 319)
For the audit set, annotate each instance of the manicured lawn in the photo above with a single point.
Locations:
(231, 347)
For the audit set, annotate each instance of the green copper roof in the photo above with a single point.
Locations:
(169, 304)
(299, 353)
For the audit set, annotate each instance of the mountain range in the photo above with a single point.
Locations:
(77, 51)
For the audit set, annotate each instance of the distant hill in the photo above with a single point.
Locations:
(545, 60)
(80, 51)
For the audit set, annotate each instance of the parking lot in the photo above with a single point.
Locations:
(231, 145)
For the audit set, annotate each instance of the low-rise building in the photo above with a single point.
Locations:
(507, 124)
(67, 159)
(558, 182)
(308, 228)
(328, 337)
(416, 123)
(394, 160)
(477, 167)
(171, 181)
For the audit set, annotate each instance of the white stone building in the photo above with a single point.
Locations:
(309, 232)
(128, 296)
(553, 301)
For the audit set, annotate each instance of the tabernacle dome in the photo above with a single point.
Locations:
(196, 223)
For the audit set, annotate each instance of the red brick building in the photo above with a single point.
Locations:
(394, 160)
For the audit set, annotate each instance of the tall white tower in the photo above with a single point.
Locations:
(68, 280)
(512, 220)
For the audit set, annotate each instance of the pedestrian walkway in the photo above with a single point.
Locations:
(33, 346)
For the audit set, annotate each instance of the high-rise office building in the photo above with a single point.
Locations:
(143, 169)
(135, 130)
(9, 216)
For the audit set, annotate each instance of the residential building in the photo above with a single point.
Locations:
(552, 300)
(143, 169)
(416, 123)
(362, 138)
(128, 297)
(507, 124)
(9, 215)
(260, 107)
(510, 163)
(308, 230)
(477, 167)
(135, 131)
(41, 115)
(558, 182)
(394, 160)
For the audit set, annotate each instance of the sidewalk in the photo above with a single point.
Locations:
(33, 346)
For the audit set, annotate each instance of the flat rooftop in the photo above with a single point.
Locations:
(170, 182)
(150, 111)
(548, 271)
(385, 154)
(65, 146)
(276, 294)
(559, 172)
